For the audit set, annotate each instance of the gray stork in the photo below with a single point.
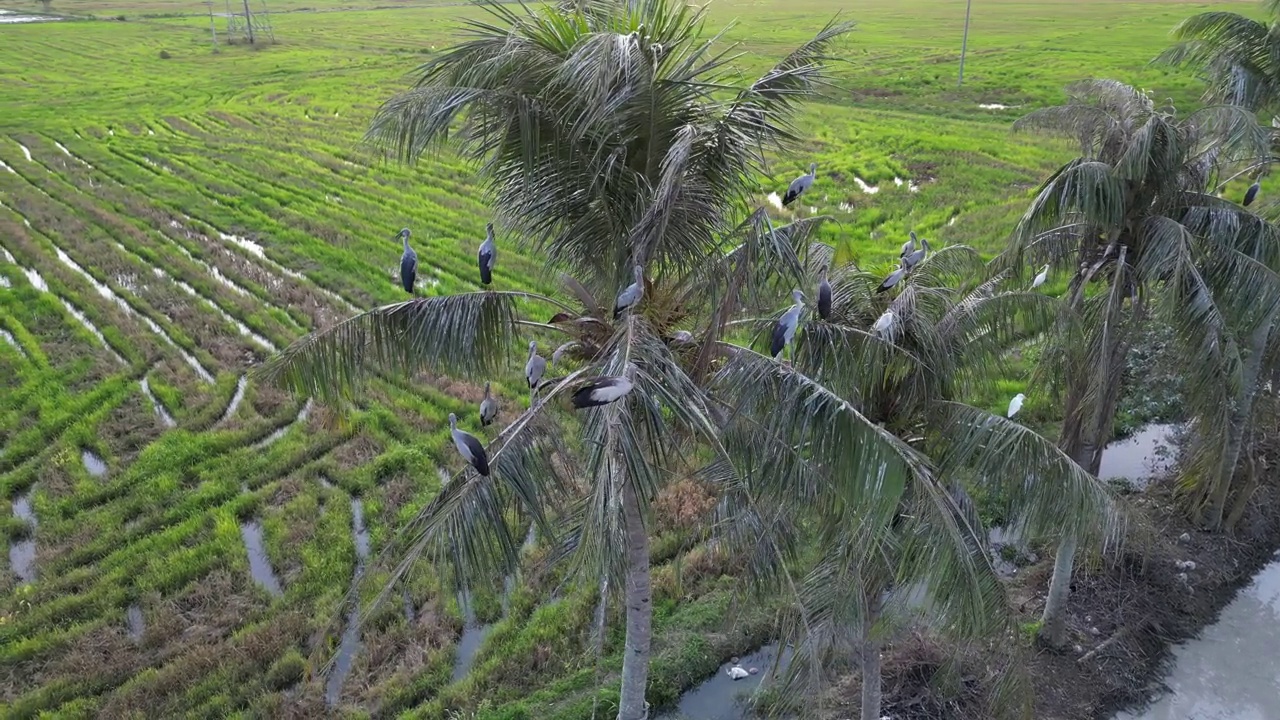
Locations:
(908, 246)
(488, 255)
(488, 407)
(894, 277)
(785, 331)
(408, 263)
(1251, 193)
(471, 449)
(535, 367)
(824, 296)
(915, 258)
(1044, 275)
(630, 296)
(800, 184)
(601, 391)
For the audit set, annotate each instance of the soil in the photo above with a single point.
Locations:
(1125, 614)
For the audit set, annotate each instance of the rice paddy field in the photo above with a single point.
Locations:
(181, 539)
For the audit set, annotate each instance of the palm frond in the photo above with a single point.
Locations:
(1055, 497)
(470, 335)
(1083, 189)
(463, 527)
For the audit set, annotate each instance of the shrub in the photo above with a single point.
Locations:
(286, 670)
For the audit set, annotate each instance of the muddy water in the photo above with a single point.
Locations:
(259, 563)
(109, 294)
(1228, 672)
(473, 635)
(22, 553)
(241, 384)
(721, 697)
(10, 339)
(350, 644)
(163, 414)
(91, 328)
(134, 623)
(96, 466)
(280, 432)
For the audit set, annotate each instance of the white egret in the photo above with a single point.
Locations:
(1016, 404)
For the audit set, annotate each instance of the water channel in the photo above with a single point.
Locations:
(1228, 672)
(720, 697)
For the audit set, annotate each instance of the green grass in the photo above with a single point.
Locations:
(143, 168)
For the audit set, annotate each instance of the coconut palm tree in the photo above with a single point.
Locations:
(607, 136)
(1135, 219)
(803, 433)
(1238, 56)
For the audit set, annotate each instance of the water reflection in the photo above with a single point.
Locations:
(350, 643)
(721, 697)
(1140, 456)
(22, 553)
(1227, 673)
(94, 464)
(473, 635)
(259, 563)
(133, 621)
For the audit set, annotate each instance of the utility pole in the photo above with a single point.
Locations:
(964, 44)
(213, 30)
(248, 23)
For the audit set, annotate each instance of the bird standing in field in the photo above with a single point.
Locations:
(535, 367)
(785, 331)
(601, 391)
(916, 257)
(488, 408)
(408, 263)
(469, 447)
(1016, 404)
(824, 296)
(908, 246)
(488, 255)
(800, 184)
(630, 296)
(1044, 275)
(893, 277)
(1251, 193)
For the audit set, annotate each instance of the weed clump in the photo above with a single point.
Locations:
(286, 670)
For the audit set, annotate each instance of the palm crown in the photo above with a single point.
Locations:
(614, 137)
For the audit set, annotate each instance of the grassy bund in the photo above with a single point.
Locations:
(170, 215)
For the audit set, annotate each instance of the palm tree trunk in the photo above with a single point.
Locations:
(1085, 433)
(870, 661)
(639, 603)
(1053, 625)
(1240, 415)
(1242, 499)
